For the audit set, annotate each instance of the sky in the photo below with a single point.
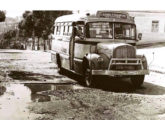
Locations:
(80, 5)
(18, 13)
(14, 13)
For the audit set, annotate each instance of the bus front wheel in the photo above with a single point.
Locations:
(88, 77)
(137, 80)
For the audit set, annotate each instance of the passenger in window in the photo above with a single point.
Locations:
(79, 32)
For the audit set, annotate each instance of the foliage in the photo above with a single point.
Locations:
(41, 22)
(38, 24)
(2, 16)
(8, 38)
(10, 34)
(44, 21)
(26, 25)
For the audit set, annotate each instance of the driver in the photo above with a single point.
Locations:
(118, 32)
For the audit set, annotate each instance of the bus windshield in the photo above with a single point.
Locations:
(124, 31)
(100, 30)
(104, 30)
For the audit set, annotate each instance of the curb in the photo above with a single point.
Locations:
(145, 45)
(157, 71)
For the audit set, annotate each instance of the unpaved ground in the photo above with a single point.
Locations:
(23, 98)
(29, 66)
(92, 104)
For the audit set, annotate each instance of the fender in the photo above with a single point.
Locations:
(144, 61)
(96, 61)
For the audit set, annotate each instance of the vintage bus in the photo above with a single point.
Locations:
(100, 44)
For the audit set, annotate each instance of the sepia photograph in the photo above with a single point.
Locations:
(82, 64)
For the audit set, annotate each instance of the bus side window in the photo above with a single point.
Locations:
(55, 30)
(65, 30)
(70, 30)
(58, 30)
(62, 30)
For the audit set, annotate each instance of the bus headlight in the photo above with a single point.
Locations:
(100, 59)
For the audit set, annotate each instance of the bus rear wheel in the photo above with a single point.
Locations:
(137, 80)
(58, 62)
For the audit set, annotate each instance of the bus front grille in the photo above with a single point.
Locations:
(124, 51)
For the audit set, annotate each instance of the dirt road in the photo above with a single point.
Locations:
(32, 89)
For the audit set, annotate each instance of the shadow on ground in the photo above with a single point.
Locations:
(120, 85)
(104, 83)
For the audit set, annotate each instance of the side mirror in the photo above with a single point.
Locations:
(139, 36)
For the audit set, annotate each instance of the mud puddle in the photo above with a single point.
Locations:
(32, 92)
(15, 98)
(23, 75)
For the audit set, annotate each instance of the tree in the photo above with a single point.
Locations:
(8, 37)
(39, 24)
(2, 16)
(26, 27)
(44, 22)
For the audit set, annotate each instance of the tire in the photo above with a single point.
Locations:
(137, 80)
(58, 62)
(88, 78)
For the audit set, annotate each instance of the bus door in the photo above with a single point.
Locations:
(76, 33)
(71, 51)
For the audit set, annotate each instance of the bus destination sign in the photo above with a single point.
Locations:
(106, 14)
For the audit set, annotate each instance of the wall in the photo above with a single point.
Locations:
(144, 20)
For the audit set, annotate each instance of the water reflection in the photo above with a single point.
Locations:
(29, 92)
(37, 89)
(40, 98)
(14, 98)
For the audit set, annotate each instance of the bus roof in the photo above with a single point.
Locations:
(71, 18)
(100, 16)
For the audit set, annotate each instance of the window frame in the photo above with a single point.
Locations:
(155, 26)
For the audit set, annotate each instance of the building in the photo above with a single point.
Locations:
(151, 24)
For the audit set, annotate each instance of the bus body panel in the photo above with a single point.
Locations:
(62, 48)
(81, 50)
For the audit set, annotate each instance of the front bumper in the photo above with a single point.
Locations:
(119, 73)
